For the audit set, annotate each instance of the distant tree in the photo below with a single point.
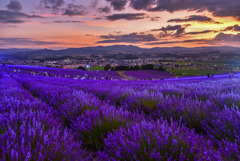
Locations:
(131, 68)
(147, 67)
(112, 68)
(160, 68)
(107, 67)
(122, 68)
(136, 67)
(97, 68)
(81, 68)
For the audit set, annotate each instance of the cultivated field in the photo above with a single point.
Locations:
(48, 115)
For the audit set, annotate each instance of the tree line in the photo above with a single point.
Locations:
(135, 67)
(129, 68)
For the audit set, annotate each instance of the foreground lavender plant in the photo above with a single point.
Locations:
(224, 129)
(27, 136)
(157, 141)
(92, 127)
(230, 150)
(29, 131)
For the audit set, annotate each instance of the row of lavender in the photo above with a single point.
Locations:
(211, 107)
(96, 75)
(196, 120)
(29, 129)
(148, 74)
(64, 73)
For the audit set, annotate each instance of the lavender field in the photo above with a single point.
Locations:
(51, 116)
(146, 74)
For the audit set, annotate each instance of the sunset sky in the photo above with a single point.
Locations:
(61, 24)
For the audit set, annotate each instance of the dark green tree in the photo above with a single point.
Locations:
(147, 67)
(160, 68)
(81, 68)
(122, 68)
(107, 67)
(136, 67)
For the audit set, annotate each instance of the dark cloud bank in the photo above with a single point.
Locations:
(7, 16)
(194, 18)
(126, 16)
(52, 3)
(74, 10)
(13, 14)
(14, 5)
(128, 38)
(200, 32)
(176, 30)
(60, 6)
(118, 4)
(220, 8)
(233, 28)
(227, 37)
(105, 9)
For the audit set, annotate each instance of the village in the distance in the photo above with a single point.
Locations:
(179, 61)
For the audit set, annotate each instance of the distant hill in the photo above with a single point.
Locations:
(115, 49)
(13, 51)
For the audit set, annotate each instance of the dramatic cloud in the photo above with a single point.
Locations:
(14, 5)
(217, 7)
(69, 12)
(105, 10)
(126, 16)
(15, 17)
(223, 38)
(129, 38)
(220, 8)
(200, 32)
(68, 21)
(227, 37)
(193, 18)
(141, 4)
(24, 41)
(118, 4)
(175, 42)
(94, 4)
(74, 10)
(233, 28)
(169, 30)
(52, 3)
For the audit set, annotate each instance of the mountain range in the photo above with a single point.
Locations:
(115, 49)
